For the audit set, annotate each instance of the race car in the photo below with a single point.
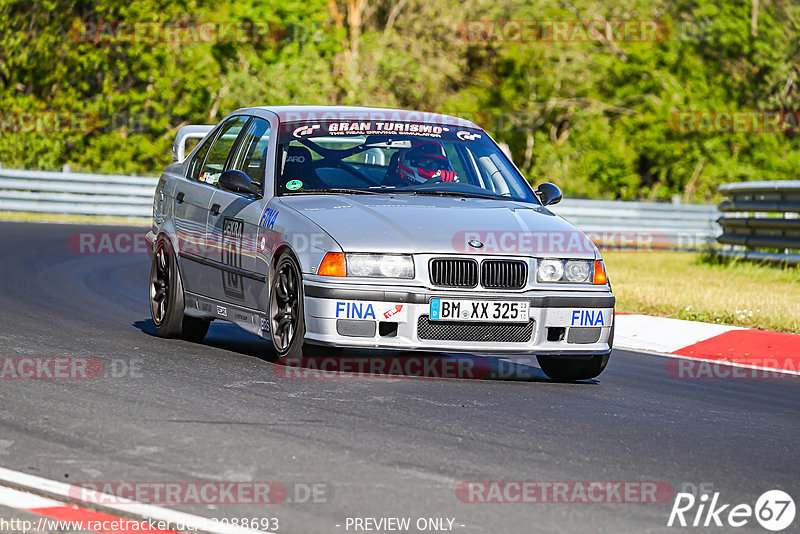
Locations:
(372, 228)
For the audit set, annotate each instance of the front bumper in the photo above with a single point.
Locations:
(563, 323)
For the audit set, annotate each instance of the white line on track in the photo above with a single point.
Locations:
(66, 493)
(22, 500)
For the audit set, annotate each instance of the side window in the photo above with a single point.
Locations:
(197, 162)
(251, 156)
(218, 153)
(493, 169)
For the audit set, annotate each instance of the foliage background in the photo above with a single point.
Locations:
(591, 117)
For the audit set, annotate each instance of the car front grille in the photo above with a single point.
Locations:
(477, 332)
(504, 274)
(463, 272)
(446, 272)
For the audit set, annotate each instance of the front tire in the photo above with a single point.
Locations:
(286, 312)
(569, 369)
(167, 299)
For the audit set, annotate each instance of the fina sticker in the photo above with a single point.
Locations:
(587, 318)
(291, 185)
(377, 311)
(268, 218)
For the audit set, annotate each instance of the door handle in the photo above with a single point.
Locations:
(215, 210)
(179, 197)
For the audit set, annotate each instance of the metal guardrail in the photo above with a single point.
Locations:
(621, 224)
(611, 223)
(761, 221)
(76, 193)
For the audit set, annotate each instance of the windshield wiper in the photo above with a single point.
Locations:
(334, 191)
(460, 194)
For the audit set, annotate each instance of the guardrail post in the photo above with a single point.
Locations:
(66, 168)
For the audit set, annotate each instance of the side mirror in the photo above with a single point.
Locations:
(236, 182)
(548, 193)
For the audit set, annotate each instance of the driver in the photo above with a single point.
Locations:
(425, 160)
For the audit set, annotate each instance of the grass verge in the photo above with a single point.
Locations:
(25, 216)
(691, 286)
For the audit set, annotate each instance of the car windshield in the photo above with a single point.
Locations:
(394, 157)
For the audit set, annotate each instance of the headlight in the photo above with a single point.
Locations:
(569, 271)
(550, 270)
(380, 265)
(577, 271)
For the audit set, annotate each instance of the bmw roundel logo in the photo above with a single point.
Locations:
(474, 243)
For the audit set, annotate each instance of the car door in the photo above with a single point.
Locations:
(193, 201)
(234, 220)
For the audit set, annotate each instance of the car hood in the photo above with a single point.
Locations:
(442, 225)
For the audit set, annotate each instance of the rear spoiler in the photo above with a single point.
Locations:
(192, 131)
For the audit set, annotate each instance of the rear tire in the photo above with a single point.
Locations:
(287, 325)
(569, 369)
(167, 300)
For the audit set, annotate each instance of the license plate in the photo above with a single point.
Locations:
(494, 311)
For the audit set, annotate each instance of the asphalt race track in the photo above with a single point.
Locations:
(382, 447)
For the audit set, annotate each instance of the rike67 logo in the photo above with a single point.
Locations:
(774, 510)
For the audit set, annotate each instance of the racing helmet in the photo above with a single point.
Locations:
(425, 160)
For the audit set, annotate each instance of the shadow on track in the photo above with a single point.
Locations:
(370, 364)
